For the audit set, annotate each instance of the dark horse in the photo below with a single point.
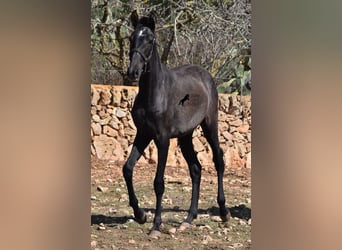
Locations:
(170, 103)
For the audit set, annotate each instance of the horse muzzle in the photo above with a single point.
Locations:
(134, 73)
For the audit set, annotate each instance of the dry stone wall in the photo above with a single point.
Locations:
(113, 130)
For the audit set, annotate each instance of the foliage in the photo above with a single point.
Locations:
(215, 34)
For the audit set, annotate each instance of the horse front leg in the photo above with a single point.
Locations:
(163, 147)
(139, 145)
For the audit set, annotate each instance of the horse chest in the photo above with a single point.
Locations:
(147, 120)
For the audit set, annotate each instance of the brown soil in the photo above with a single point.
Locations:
(112, 221)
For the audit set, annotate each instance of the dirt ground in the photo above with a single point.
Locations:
(113, 225)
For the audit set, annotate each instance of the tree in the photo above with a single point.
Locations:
(215, 34)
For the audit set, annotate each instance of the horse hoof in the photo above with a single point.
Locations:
(226, 217)
(184, 226)
(142, 219)
(154, 234)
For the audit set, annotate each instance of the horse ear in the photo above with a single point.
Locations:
(151, 20)
(134, 18)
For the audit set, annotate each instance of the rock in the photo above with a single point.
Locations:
(116, 99)
(119, 113)
(103, 146)
(206, 227)
(102, 189)
(206, 239)
(228, 136)
(242, 222)
(123, 197)
(114, 123)
(118, 153)
(131, 124)
(243, 128)
(96, 127)
(236, 123)
(152, 153)
(242, 149)
(105, 121)
(184, 226)
(95, 96)
(130, 132)
(249, 137)
(198, 145)
(105, 97)
(110, 131)
(92, 150)
(131, 241)
(172, 230)
(93, 243)
(234, 105)
(249, 160)
(221, 116)
(232, 158)
(205, 158)
(95, 118)
(216, 218)
(101, 226)
(112, 211)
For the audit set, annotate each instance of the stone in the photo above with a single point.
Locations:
(95, 96)
(241, 149)
(235, 123)
(233, 159)
(114, 123)
(198, 145)
(118, 153)
(123, 104)
(249, 137)
(110, 131)
(92, 150)
(93, 243)
(243, 128)
(248, 147)
(96, 118)
(205, 158)
(119, 113)
(105, 97)
(221, 116)
(228, 136)
(172, 157)
(116, 97)
(105, 121)
(96, 127)
(103, 146)
(234, 105)
(93, 110)
(249, 160)
(152, 153)
(102, 189)
(131, 124)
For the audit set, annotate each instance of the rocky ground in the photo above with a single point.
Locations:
(113, 225)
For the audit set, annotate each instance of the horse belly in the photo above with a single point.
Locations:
(187, 120)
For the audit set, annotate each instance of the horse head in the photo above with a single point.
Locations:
(142, 41)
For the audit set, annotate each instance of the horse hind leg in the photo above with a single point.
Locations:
(211, 134)
(195, 168)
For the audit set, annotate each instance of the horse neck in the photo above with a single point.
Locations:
(152, 81)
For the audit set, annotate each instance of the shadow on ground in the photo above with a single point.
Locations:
(241, 212)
